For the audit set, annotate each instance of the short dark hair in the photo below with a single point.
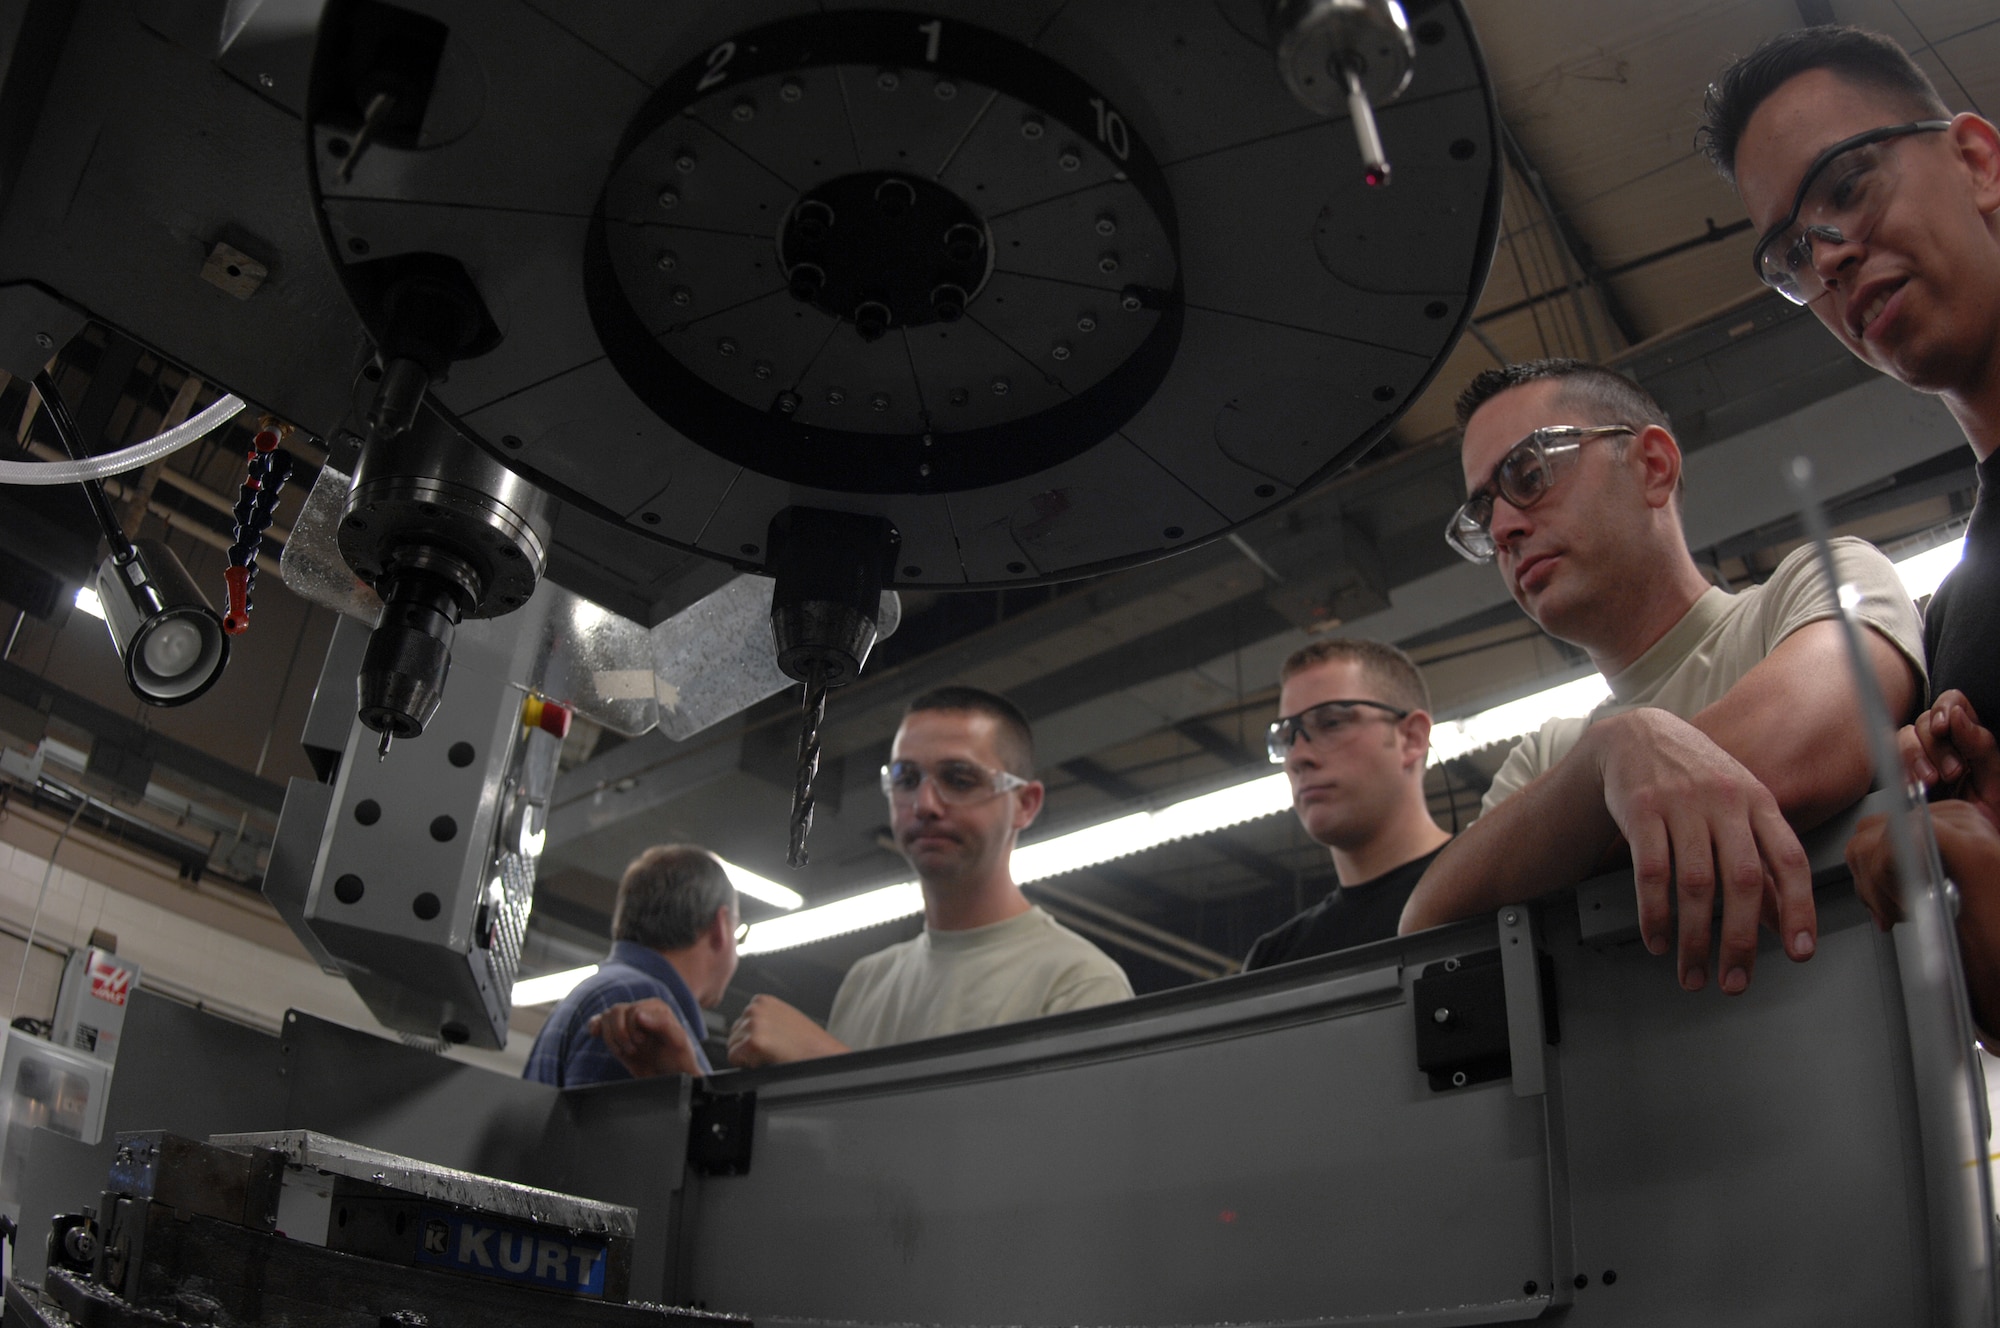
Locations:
(1854, 54)
(669, 895)
(1607, 396)
(1401, 681)
(1017, 740)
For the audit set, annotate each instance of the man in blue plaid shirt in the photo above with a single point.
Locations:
(673, 952)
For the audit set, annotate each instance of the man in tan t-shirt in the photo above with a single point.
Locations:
(960, 787)
(1733, 721)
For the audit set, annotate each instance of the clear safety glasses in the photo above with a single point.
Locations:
(1322, 723)
(1840, 199)
(1524, 477)
(956, 782)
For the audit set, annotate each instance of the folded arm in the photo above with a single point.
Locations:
(1705, 805)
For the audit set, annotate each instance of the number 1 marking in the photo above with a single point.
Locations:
(934, 33)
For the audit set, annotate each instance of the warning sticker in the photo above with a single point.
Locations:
(486, 1248)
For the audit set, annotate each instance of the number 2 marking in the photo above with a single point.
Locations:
(1111, 129)
(933, 33)
(718, 66)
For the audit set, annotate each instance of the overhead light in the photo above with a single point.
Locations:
(760, 887)
(1921, 572)
(549, 987)
(171, 641)
(86, 599)
(1453, 738)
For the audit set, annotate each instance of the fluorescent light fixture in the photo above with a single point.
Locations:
(853, 913)
(1921, 572)
(86, 599)
(761, 887)
(550, 987)
(1453, 738)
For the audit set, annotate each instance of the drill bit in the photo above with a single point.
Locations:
(812, 714)
(382, 752)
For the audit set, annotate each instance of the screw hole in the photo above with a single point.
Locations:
(1610, 1276)
(367, 811)
(1530, 1287)
(460, 754)
(1463, 150)
(1436, 309)
(749, 550)
(1266, 490)
(512, 441)
(1017, 568)
(913, 570)
(444, 829)
(1582, 1281)
(1385, 393)
(1430, 32)
(1172, 532)
(348, 889)
(426, 906)
(650, 518)
(357, 245)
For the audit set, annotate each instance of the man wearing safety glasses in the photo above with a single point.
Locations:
(1731, 722)
(1880, 211)
(960, 787)
(1354, 736)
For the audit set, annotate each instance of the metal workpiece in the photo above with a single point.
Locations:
(311, 1151)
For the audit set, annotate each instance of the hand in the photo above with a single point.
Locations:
(1696, 821)
(647, 1037)
(770, 1032)
(1947, 748)
(1968, 844)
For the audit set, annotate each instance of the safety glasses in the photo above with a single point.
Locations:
(1322, 723)
(956, 782)
(1840, 199)
(1524, 477)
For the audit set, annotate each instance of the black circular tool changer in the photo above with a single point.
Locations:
(1053, 291)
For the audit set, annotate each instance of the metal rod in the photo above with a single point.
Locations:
(812, 715)
(72, 441)
(1374, 161)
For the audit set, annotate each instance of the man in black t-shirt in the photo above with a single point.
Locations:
(1354, 736)
(1879, 210)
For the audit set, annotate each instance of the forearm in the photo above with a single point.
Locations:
(1552, 833)
(1797, 727)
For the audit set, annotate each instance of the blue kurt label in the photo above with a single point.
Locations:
(514, 1254)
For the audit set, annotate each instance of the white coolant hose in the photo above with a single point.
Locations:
(130, 458)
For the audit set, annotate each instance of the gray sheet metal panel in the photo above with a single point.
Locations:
(1265, 1152)
(1160, 1163)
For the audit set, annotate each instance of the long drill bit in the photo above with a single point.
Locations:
(812, 715)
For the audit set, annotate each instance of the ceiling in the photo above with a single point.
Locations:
(1620, 245)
